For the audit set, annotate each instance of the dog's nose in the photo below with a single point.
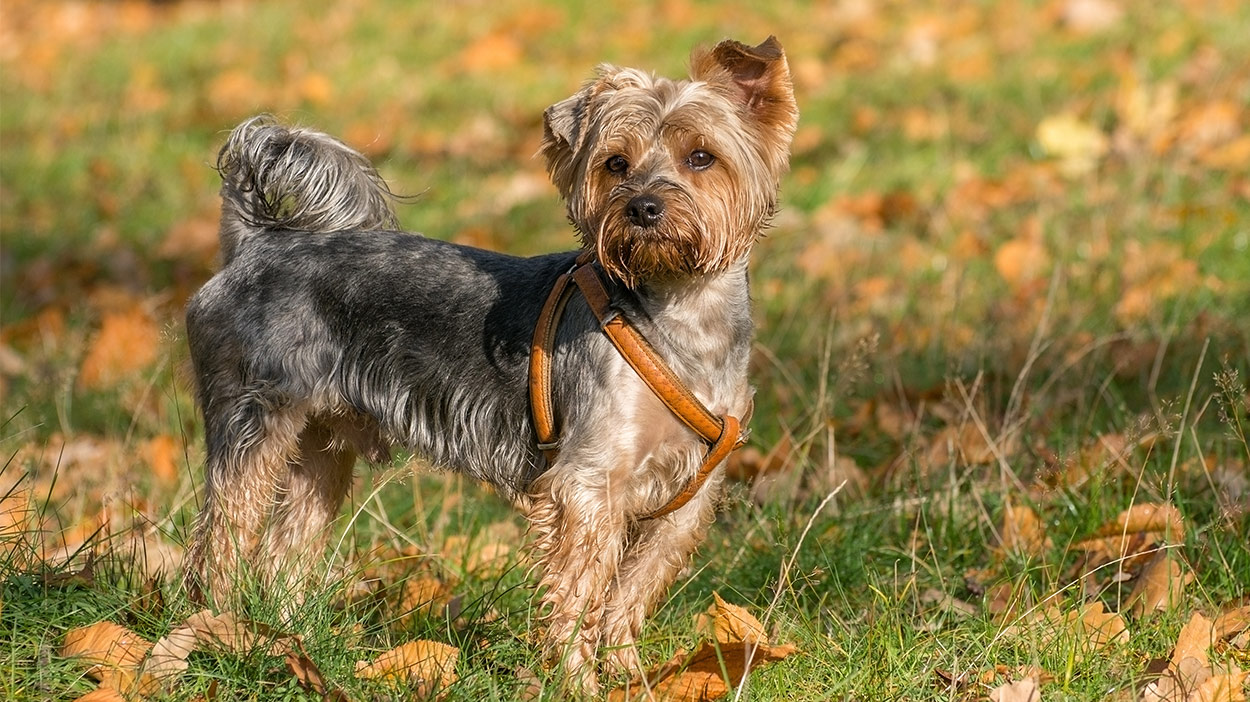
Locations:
(644, 210)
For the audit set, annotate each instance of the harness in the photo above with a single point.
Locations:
(722, 434)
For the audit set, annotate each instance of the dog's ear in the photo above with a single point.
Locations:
(756, 77)
(564, 131)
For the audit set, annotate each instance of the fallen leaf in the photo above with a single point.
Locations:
(422, 595)
(1077, 145)
(167, 660)
(113, 652)
(1022, 532)
(1194, 641)
(161, 453)
(729, 623)
(696, 677)
(1159, 586)
(1133, 536)
(1026, 690)
(128, 342)
(1091, 16)
(1178, 682)
(102, 694)
(740, 643)
(1227, 687)
(423, 663)
(1090, 627)
(226, 632)
(1232, 622)
(310, 676)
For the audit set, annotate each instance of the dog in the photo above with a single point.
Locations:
(328, 335)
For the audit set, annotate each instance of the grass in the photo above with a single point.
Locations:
(938, 277)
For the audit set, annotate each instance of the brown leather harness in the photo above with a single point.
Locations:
(722, 434)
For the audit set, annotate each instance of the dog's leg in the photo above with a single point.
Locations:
(240, 489)
(318, 481)
(579, 532)
(661, 550)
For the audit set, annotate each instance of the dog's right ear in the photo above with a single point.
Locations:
(564, 131)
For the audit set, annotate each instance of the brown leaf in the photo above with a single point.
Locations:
(1092, 628)
(226, 632)
(1026, 690)
(1097, 628)
(1227, 687)
(1159, 586)
(418, 662)
(310, 676)
(1022, 532)
(1148, 517)
(102, 694)
(1194, 641)
(698, 677)
(1232, 622)
(113, 651)
(167, 660)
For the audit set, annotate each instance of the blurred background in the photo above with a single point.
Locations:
(1046, 201)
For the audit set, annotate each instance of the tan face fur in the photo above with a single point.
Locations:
(666, 179)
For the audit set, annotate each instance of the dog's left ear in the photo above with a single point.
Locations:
(757, 77)
(564, 130)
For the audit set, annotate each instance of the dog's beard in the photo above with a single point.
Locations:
(635, 254)
(675, 247)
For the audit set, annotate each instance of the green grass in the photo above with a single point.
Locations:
(866, 313)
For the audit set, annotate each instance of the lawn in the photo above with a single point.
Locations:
(1000, 436)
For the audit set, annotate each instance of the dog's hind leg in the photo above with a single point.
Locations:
(318, 481)
(247, 464)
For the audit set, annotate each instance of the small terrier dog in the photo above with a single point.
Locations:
(328, 335)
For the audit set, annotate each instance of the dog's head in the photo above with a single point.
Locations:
(672, 178)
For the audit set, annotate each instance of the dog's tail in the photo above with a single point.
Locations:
(275, 177)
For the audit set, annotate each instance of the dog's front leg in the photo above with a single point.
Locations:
(662, 548)
(579, 534)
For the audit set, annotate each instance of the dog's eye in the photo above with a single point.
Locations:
(699, 160)
(617, 164)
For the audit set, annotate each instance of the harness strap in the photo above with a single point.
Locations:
(723, 434)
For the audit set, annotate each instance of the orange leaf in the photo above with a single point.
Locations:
(113, 651)
(734, 624)
(420, 662)
(127, 342)
(161, 455)
(102, 694)
(1232, 622)
(709, 674)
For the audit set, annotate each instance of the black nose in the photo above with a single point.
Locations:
(644, 210)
